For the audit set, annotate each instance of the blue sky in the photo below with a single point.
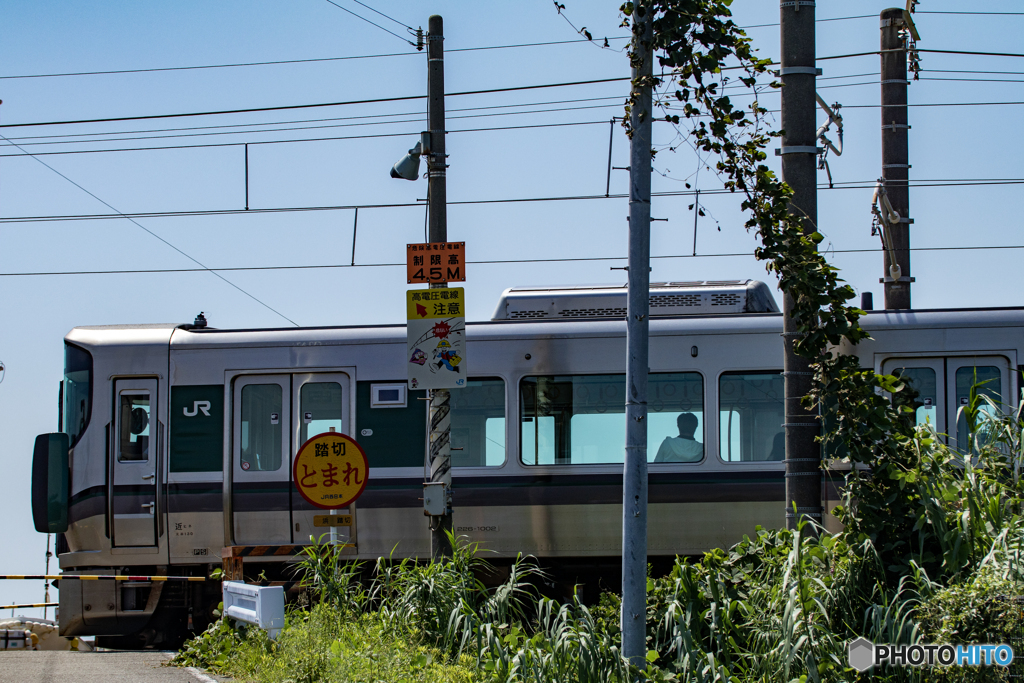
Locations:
(46, 37)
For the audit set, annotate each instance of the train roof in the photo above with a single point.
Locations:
(178, 335)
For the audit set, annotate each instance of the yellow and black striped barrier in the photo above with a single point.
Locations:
(100, 577)
(30, 605)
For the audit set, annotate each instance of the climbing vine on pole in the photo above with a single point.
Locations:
(701, 51)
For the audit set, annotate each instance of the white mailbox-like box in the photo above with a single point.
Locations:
(259, 605)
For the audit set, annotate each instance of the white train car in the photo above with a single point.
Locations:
(181, 437)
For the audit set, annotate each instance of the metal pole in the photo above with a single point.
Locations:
(799, 170)
(611, 139)
(247, 177)
(634, 474)
(895, 154)
(440, 399)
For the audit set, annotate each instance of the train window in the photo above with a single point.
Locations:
(319, 408)
(922, 380)
(580, 419)
(750, 416)
(77, 390)
(987, 381)
(478, 423)
(134, 421)
(261, 427)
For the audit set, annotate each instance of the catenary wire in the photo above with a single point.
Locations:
(153, 234)
(575, 259)
(321, 120)
(209, 145)
(849, 185)
(324, 127)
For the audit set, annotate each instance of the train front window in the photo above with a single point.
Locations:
(750, 416)
(134, 432)
(321, 410)
(581, 419)
(261, 427)
(77, 390)
(478, 424)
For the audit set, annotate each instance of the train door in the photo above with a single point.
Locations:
(991, 375)
(320, 402)
(134, 467)
(261, 458)
(927, 376)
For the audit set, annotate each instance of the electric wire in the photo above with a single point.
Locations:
(209, 145)
(384, 15)
(297, 61)
(847, 185)
(320, 120)
(371, 23)
(324, 127)
(574, 259)
(153, 234)
(316, 105)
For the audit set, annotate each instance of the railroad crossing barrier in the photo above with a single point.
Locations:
(30, 605)
(99, 577)
(259, 605)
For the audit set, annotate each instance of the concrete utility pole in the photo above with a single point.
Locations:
(634, 476)
(799, 170)
(895, 154)
(437, 201)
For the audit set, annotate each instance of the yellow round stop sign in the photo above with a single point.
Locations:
(330, 470)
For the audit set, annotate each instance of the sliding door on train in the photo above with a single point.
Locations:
(944, 387)
(135, 444)
(273, 415)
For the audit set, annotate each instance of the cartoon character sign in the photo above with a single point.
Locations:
(436, 326)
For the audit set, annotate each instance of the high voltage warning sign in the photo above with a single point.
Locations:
(436, 262)
(330, 470)
(436, 337)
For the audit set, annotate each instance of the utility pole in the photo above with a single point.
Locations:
(437, 231)
(799, 171)
(895, 154)
(634, 476)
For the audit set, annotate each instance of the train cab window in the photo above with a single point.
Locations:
(922, 380)
(77, 390)
(581, 419)
(134, 421)
(478, 423)
(987, 381)
(320, 409)
(261, 427)
(750, 417)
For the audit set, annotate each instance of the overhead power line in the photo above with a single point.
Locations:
(372, 23)
(317, 105)
(297, 61)
(158, 237)
(573, 259)
(851, 185)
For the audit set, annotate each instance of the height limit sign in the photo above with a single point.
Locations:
(436, 262)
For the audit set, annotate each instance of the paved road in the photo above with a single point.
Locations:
(94, 667)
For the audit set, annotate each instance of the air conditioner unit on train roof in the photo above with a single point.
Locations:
(701, 297)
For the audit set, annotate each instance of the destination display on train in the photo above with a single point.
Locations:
(435, 262)
(330, 470)
(436, 339)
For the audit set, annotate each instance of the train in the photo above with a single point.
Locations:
(176, 439)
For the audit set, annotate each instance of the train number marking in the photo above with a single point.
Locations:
(198, 406)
